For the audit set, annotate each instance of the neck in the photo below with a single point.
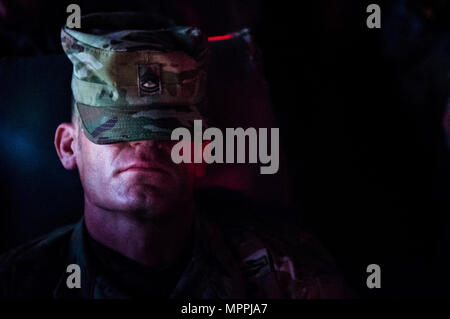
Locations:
(156, 243)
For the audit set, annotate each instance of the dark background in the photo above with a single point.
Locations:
(362, 116)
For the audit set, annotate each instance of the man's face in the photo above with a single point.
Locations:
(136, 177)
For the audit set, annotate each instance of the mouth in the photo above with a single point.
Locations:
(145, 169)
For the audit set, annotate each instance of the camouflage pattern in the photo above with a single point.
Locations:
(135, 78)
(235, 255)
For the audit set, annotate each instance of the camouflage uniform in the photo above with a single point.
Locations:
(239, 252)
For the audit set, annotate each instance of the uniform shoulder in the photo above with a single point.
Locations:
(267, 235)
(38, 251)
(235, 212)
(33, 269)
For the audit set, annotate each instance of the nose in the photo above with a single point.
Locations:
(149, 143)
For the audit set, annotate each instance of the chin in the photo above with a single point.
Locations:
(150, 200)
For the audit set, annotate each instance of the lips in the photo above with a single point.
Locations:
(144, 168)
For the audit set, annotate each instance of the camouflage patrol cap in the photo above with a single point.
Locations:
(135, 76)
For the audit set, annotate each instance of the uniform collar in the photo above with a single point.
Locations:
(78, 255)
(212, 272)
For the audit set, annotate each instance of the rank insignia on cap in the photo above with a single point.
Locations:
(149, 79)
(136, 76)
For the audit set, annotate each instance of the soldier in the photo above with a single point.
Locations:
(145, 232)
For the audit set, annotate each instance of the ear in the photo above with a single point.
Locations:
(65, 143)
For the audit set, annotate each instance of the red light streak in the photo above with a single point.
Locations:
(220, 37)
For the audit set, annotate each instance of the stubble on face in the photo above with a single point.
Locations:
(113, 179)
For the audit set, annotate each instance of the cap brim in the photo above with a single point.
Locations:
(107, 125)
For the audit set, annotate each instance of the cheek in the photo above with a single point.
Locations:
(95, 164)
(188, 170)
